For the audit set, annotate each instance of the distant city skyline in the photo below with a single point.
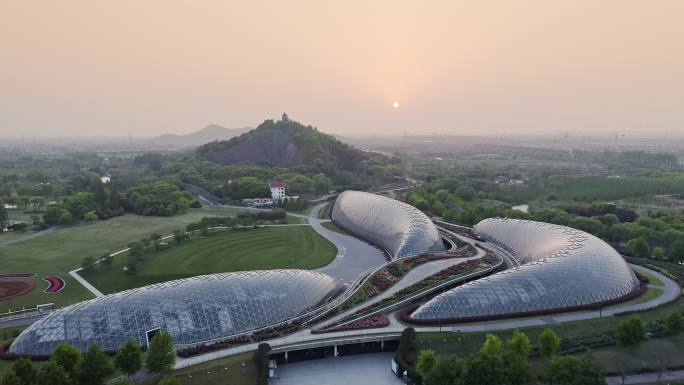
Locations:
(78, 68)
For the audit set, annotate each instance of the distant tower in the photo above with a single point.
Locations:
(285, 118)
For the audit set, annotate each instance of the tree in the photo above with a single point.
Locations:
(638, 247)
(90, 217)
(158, 198)
(519, 344)
(677, 251)
(95, 366)
(466, 193)
(427, 359)
(4, 217)
(53, 374)
(261, 359)
(674, 323)
(65, 218)
(170, 381)
(129, 359)
(66, 356)
(53, 215)
(25, 371)
(484, 368)
(492, 345)
(322, 183)
(246, 187)
(407, 343)
(161, 356)
(516, 368)
(87, 263)
(298, 183)
(10, 378)
(447, 370)
(179, 236)
(548, 342)
(658, 252)
(631, 331)
(570, 370)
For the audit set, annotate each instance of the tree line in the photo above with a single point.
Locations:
(68, 366)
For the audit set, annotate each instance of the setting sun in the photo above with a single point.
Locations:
(395, 104)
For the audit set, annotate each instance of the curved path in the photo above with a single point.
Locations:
(354, 256)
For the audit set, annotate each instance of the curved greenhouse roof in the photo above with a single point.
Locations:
(193, 310)
(397, 227)
(561, 268)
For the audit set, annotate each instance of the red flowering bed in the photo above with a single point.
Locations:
(18, 275)
(376, 321)
(55, 284)
(13, 289)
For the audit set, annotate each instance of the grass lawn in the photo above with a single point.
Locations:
(250, 249)
(651, 293)
(63, 250)
(334, 227)
(229, 370)
(463, 344)
(653, 280)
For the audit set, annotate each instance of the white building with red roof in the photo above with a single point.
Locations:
(277, 190)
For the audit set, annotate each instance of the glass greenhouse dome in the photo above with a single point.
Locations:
(396, 227)
(561, 268)
(193, 310)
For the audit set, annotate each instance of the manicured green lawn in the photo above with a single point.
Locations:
(64, 249)
(223, 371)
(249, 249)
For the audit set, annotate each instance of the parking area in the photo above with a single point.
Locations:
(373, 368)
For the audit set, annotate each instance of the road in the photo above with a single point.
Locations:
(354, 256)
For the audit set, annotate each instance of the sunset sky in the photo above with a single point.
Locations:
(461, 67)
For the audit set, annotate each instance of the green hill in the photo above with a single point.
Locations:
(291, 145)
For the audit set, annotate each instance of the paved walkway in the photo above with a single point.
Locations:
(358, 369)
(647, 378)
(354, 256)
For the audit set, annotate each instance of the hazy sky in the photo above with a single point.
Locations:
(109, 67)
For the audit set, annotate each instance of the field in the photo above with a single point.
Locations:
(249, 249)
(62, 250)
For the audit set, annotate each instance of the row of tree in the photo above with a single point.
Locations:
(68, 366)
(507, 362)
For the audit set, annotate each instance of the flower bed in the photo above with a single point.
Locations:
(17, 275)
(372, 322)
(55, 284)
(13, 289)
